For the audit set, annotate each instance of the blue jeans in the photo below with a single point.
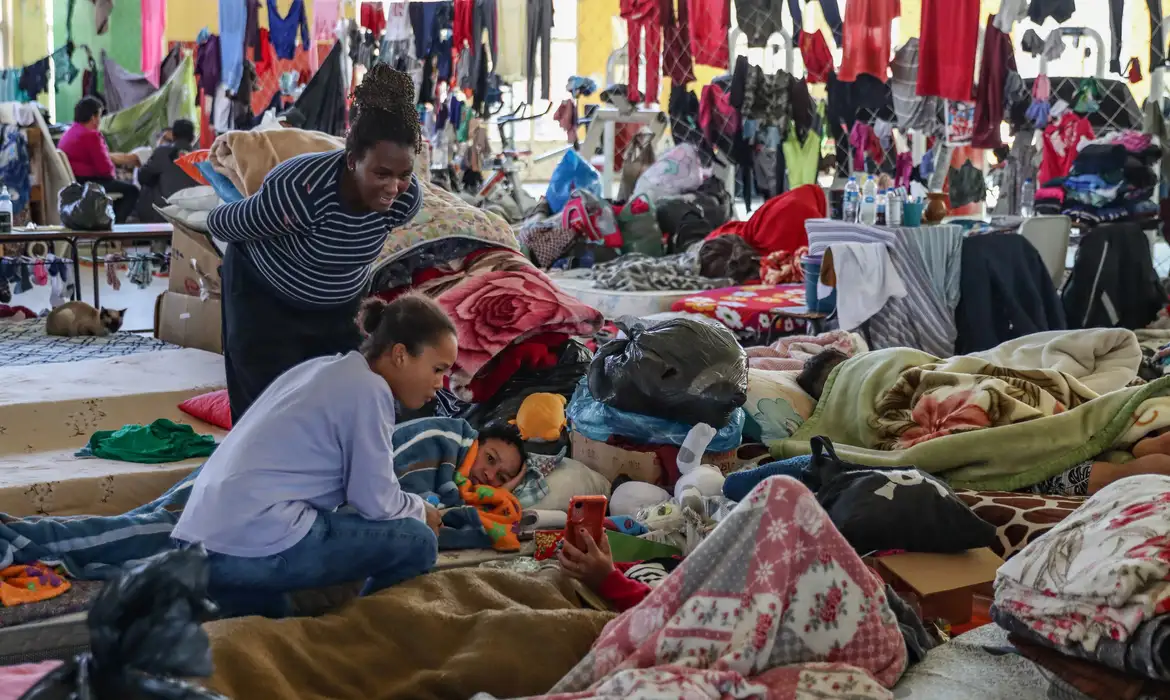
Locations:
(340, 548)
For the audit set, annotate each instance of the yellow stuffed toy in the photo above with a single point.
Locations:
(541, 417)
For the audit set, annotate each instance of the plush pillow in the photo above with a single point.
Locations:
(571, 479)
(223, 187)
(202, 198)
(873, 507)
(776, 405)
(188, 163)
(212, 408)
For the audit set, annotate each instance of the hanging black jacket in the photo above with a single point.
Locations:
(1007, 292)
(1113, 282)
(322, 102)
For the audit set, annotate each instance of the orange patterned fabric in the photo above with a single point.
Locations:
(30, 583)
(498, 509)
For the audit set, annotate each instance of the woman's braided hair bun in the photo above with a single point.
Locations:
(384, 110)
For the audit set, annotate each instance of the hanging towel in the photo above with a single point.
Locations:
(866, 280)
(233, 25)
(161, 441)
(154, 24)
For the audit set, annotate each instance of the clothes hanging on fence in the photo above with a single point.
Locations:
(102, 9)
(512, 28)
(642, 18)
(252, 30)
(913, 111)
(208, 64)
(949, 38)
(170, 64)
(373, 17)
(540, 24)
(154, 22)
(282, 31)
(709, 33)
(34, 78)
(998, 58)
(676, 43)
(818, 60)
(866, 47)
(63, 67)
(325, 16)
(760, 19)
(1157, 35)
(233, 22)
(483, 18)
(830, 11)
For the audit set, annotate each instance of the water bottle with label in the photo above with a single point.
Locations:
(869, 203)
(5, 211)
(852, 201)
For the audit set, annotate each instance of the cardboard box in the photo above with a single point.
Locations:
(942, 586)
(194, 263)
(612, 461)
(189, 322)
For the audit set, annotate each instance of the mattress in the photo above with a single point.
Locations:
(48, 412)
(614, 304)
(26, 343)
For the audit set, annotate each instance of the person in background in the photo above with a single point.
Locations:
(267, 505)
(92, 161)
(300, 248)
(160, 177)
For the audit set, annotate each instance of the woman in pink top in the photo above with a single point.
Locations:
(91, 161)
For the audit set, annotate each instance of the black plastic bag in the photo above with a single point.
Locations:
(146, 635)
(561, 378)
(86, 207)
(681, 370)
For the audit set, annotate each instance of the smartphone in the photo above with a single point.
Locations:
(585, 512)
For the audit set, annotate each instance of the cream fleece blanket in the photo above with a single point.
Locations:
(246, 157)
(1103, 359)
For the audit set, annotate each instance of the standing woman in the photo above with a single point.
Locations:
(300, 249)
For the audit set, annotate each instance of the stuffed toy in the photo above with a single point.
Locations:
(541, 417)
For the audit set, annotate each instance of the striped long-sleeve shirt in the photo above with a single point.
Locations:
(299, 236)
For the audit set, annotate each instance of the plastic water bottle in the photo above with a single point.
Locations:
(849, 208)
(883, 198)
(894, 208)
(869, 203)
(1027, 198)
(5, 211)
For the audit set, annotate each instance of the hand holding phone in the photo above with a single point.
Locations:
(586, 512)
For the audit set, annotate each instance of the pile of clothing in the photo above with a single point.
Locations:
(1112, 179)
(1095, 586)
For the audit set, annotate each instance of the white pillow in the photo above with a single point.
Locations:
(195, 220)
(201, 198)
(571, 479)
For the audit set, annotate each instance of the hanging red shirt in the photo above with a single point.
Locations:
(865, 47)
(1060, 145)
(818, 61)
(949, 38)
(710, 22)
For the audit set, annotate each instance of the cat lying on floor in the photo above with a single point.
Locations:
(77, 318)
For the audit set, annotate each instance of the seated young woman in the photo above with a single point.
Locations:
(302, 493)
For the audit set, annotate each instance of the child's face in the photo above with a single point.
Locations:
(497, 464)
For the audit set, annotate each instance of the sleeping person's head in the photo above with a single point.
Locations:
(501, 457)
(817, 369)
(411, 343)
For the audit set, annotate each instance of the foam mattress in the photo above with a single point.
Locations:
(48, 412)
(614, 304)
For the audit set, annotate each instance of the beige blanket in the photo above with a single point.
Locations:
(246, 157)
(1102, 359)
(449, 634)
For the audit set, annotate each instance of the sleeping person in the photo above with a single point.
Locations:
(265, 505)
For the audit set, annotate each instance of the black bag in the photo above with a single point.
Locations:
(86, 207)
(893, 509)
(681, 370)
(146, 635)
(561, 378)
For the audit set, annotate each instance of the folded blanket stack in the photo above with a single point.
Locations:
(1112, 179)
(1095, 586)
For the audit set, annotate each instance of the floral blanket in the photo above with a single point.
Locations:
(964, 393)
(981, 428)
(494, 309)
(773, 604)
(1100, 573)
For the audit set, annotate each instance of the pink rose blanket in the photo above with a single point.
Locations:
(773, 604)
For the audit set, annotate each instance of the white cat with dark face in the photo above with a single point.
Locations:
(77, 318)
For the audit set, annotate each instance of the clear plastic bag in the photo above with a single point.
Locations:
(86, 207)
(146, 635)
(681, 370)
(598, 421)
